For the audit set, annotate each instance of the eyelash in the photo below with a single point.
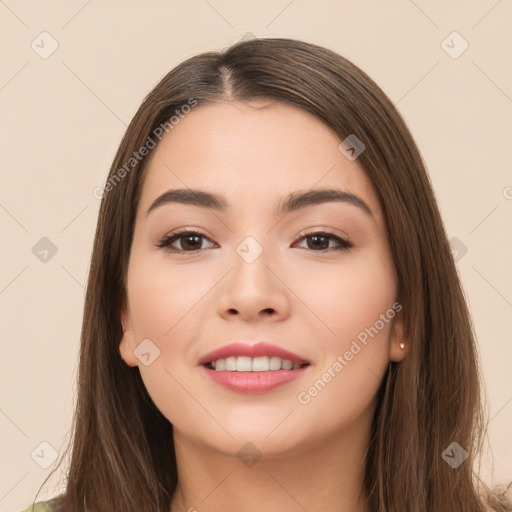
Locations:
(166, 241)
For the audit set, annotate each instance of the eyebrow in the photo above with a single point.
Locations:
(290, 203)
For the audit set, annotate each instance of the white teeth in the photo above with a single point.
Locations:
(243, 364)
(220, 364)
(275, 363)
(260, 364)
(231, 364)
(257, 364)
(286, 365)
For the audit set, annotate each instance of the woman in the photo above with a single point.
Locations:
(273, 319)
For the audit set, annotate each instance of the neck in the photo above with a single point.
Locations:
(326, 476)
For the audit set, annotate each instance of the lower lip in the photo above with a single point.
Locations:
(254, 382)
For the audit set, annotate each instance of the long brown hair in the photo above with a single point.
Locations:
(123, 457)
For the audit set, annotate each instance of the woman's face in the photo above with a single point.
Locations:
(257, 273)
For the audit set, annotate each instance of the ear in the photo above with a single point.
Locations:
(127, 343)
(397, 338)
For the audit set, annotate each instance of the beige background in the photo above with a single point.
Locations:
(63, 117)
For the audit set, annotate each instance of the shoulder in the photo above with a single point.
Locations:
(41, 506)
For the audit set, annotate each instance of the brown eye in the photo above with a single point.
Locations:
(190, 241)
(320, 242)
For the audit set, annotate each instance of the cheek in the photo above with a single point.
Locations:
(361, 300)
(355, 302)
(350, 297)
(163, 295)
(164, 303)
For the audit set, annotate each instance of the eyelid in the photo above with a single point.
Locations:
(324, 229)
(344, 242)
(164, 242)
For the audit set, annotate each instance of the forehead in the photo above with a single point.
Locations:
(253, 154)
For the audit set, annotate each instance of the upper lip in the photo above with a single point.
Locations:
(259, 349)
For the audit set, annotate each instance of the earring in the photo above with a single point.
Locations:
(402, 345)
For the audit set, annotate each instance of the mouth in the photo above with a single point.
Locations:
(259, 357)
(253, 369)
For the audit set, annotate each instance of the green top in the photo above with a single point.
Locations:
(41, 506)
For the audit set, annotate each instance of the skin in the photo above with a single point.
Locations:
(190, 303)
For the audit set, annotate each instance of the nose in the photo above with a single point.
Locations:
(254, 291)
